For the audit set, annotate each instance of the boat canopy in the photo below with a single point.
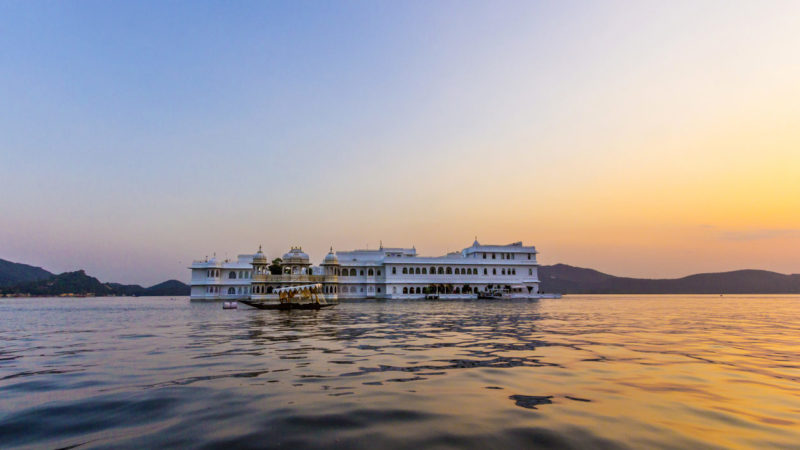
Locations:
(300, 288)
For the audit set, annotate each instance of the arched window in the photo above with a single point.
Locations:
(405, 270)
(449, 270)
(352, 272)
(433, 271)
(419, 290)
(405, 290)
(503, 272)
(362, 272)
(371, 273)
(424, 271)
(440, 271)
(232, 275)
(417, 271)
(231, 291)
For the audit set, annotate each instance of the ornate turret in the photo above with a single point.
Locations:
(259, 257)
(295, 261)
(330, 259)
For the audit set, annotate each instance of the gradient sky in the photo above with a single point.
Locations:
(640, 138)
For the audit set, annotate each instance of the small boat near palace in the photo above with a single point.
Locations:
(306, 296)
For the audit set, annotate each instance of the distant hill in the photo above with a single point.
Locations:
(29, 280)
(576, 280)
(14, 273)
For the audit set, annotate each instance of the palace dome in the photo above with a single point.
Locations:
(259, 257)
(296, 256)
(330, 258)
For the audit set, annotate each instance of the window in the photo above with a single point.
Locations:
(394, 289)
(371, 272)
(405, 290)
(419, 290)
(449, 270)
(424, 271)
(494, 271)
(529, 256)
(433, 271)
(379, 272)
(530, 271)
(232, 275)
(379, 290)
(416, 271)
(394, 270)
(361, 272)
(405, 270)
(504, 271)
(484, 271)
(231, 291)
(484, 256)
(441, 271)
(492, 255)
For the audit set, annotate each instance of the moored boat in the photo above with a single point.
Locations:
(307, 296)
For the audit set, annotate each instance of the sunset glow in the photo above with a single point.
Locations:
(653, 139)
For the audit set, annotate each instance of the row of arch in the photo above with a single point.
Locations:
(353, 272)
(505, 255)
(456, 271)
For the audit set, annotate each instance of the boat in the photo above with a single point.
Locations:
(491, 295)
(306, 296)
(230, 305)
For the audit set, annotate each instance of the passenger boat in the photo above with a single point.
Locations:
(307, 296)
(491, 295)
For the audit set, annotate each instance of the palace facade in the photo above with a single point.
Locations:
(391, 273)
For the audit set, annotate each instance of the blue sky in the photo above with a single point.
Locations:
(139, 135)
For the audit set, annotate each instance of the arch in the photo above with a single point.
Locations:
(231, 290)
(371, 272)
(352, 272)
(440, 271)
(232, 275)
(449, 271)
(433, 270)
(419, 290)
(405, 270)
(424, 271)
(405, 290)
(417, 271)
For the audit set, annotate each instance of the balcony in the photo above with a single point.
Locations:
(305, 279)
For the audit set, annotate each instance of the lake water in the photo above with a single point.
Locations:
(579, 372)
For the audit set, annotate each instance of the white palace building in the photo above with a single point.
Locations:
(388, 273)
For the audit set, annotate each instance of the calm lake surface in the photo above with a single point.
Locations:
(578, 372)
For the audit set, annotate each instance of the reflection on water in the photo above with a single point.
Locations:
(657, 371)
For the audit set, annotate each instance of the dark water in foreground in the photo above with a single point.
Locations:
(581, 372)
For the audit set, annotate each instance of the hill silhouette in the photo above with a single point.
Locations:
(577, 280)
(22, 279)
